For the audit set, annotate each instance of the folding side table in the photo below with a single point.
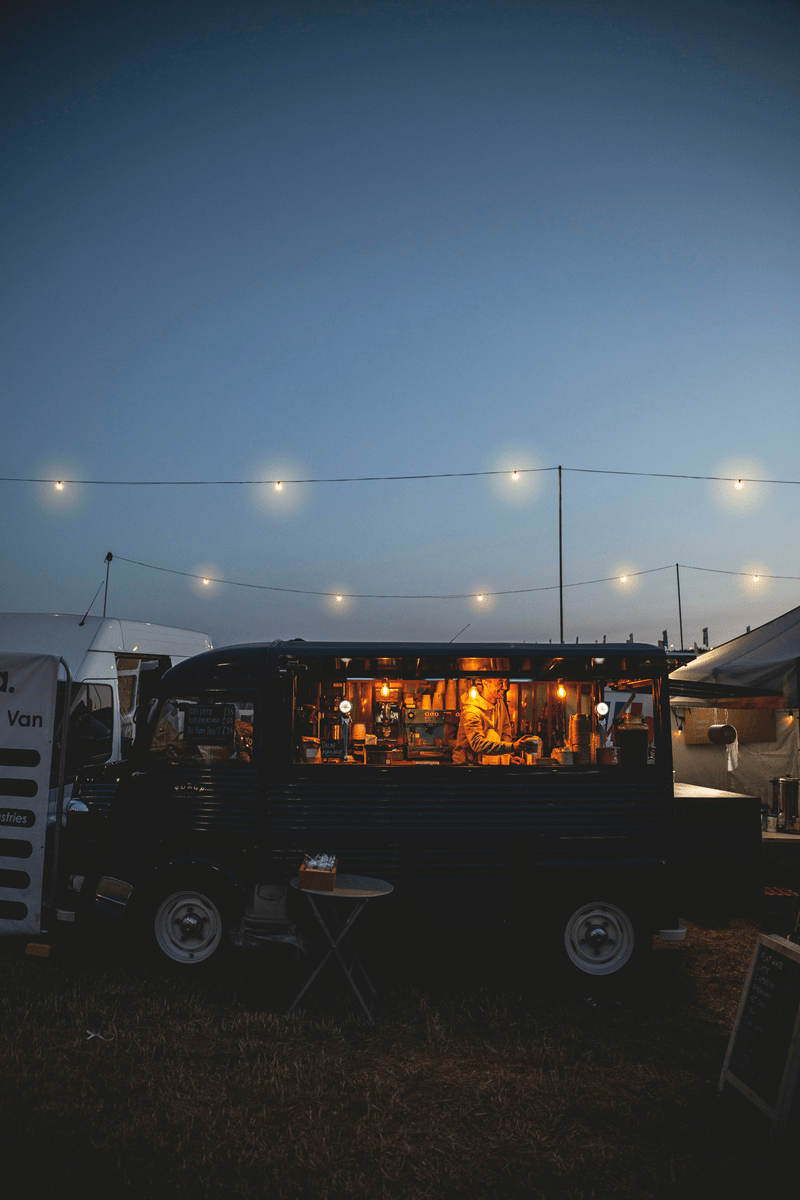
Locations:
(362, 889)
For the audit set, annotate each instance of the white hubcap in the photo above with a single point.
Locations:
(188, 927)
(599, 938)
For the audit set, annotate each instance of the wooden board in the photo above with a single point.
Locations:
(763, 1057)
(751, 724)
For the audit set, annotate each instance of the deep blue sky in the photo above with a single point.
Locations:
(257, 240)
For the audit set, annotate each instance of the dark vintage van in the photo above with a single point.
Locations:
(252, 755)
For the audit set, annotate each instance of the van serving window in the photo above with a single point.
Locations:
(472, 712)
(206, 730)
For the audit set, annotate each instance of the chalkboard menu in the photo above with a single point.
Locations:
(211, 724)
(331, 748)
(763, 1055)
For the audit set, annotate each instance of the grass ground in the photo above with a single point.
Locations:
(475, 1082)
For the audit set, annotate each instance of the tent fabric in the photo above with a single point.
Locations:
(765, 658)
(759, 762)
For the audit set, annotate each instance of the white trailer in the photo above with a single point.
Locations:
(94, 669)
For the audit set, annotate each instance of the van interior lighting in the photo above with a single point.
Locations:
(601, 709)
(385, 688)
(561, 690)
(345, 706)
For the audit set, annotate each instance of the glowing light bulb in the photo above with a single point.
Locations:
(561, 691)
(739, 485)
(515, 474)
(206, 582)
(479, 598)
(473, 692)
(623, 578)
(338, 599)
(755, 578)
(59, 486)
(279, 486)
(385, 690)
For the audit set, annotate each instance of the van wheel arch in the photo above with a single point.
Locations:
(183, 915)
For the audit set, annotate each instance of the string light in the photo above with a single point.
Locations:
(206, 581)
(515, 474)
(59, 486)
(623, 578)
(392, 478)
(755, 578)
(339, 597)
(739, 485)
(479, 598)
(279, 486)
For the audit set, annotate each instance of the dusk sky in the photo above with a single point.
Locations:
(310, 240)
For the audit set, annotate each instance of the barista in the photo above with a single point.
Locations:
(484, 731)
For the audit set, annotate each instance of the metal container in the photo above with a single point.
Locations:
(788, 817)
(632, 738)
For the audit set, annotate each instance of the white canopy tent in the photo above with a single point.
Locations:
(765, 660)
(749, 671)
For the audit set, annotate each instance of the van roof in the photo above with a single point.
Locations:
(71, 637)
(247, 665)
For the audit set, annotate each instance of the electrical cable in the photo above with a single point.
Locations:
(552, 587)
(388, 478)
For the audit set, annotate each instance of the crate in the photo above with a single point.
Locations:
(781, 907)
(311, 880)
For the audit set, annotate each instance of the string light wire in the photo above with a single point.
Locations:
(280, 483)
(265, 587)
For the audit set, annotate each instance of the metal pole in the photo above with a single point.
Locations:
(109, 557)
(560, 561)
(680, 614)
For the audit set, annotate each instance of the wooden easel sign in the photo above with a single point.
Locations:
(763, 1057)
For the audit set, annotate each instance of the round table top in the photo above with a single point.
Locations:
(351, 887)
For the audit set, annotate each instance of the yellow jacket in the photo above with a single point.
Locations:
(484, 732)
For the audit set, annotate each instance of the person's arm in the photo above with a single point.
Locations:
(482, 741)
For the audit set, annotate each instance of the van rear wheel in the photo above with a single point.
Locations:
(601, 939)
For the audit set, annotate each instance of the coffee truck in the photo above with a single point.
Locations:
(250, 756)
(96, 669)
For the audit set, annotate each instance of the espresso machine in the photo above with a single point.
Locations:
(426, 733)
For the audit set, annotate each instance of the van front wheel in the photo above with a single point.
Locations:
(188, 927)
(600, 938)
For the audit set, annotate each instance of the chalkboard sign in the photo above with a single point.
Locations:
(331, 748)
(763, 1055)
(211, 724)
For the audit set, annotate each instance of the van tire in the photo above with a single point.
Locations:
(601, 939)
(186, 923)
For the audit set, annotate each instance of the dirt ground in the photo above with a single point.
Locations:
(479, 1079)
